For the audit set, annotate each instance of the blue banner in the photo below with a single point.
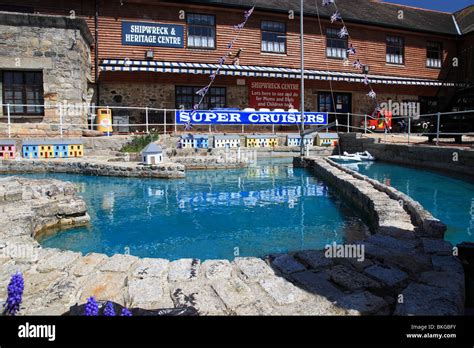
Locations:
(245, 117)
(152, 34)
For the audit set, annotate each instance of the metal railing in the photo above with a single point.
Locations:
(145, 120)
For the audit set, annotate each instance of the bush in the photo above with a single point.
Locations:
(139, 142)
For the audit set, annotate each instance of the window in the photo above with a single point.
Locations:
(335, 46)
(186, 96)
(201, 31)
(395, 50)
(434, 54)
(273, 37)
(23, 90)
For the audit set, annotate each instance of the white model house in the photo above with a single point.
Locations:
(152, 154)
(226, 141)
(295, 140)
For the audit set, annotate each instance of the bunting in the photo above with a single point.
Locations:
(351, 50)
(203, 91)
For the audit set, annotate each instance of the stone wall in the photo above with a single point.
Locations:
(93, 167)
(449, 159)
(436, 283)
(60, 48)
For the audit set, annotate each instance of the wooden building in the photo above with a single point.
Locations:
(160, 53)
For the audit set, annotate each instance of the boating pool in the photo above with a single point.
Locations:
(449, 199)
(216, 214)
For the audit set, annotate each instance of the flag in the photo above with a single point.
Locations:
(366, 80)
(357, 64)
(203, 91)
(343, 32)
(222, 60)
(372, 94)
(336, 17)
(351, 50)
(239, 26)
(248, 13)
(188, 126)
(327, 2)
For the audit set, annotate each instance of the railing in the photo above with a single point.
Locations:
(145, 120)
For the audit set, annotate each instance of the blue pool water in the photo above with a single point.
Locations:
(449, 199)
(211, 214)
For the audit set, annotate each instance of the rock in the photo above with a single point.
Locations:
(118, 263)
(437, 246)
(57, 261)
(148, 293)
(183, 270)
(393, 243)
(453, 282)
(447, 263)
(281, 290)
(318, 284)
(150, 268)
(287, 264)
(87, 264)
(421, 299)
(108, 286)
(363, 303)
(387, 275)
(199, 296)
(234, 293)
(314, 259)
(253, 268)
(351, 280)
(217, 269)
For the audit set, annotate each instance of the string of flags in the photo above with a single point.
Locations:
(351, 50)
(203, 91)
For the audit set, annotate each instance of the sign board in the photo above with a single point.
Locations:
(245, 117)
(274, 95)
(152, 34)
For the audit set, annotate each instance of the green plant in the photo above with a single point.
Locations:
(139, 142)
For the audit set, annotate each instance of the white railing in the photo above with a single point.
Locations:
(347, 122)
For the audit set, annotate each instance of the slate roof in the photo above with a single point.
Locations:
(465, 19)
(226, 137)
(328, 135)
(298, 136)
(33, 142)
(369, 12)
(152, 148)
(261, 136)
(7, 142)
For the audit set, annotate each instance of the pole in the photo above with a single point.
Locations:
(61, 120)
(146, 120)
(164, 121)
(348, 122)
(175, 125)
(365, 124)
(409, 128)
(437, 129)
(302, 77)
(9, 123)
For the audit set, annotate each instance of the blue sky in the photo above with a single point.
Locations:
(440, 5)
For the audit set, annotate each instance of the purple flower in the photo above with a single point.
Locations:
(109, 310)
(125, 313)
(92, 308)
(15, 293)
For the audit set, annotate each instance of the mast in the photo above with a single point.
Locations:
(302, 79)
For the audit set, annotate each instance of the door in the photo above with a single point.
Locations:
(153, 160)
(336, 102)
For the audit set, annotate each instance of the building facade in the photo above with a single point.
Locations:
(160, 53)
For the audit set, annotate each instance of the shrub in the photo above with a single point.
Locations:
(139, 142)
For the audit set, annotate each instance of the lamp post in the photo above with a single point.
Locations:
(302, 78)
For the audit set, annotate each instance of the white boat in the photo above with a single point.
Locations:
(346, 159)
(364, 156)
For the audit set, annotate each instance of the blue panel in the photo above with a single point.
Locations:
(244, 117)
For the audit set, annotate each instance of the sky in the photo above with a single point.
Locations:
(440, 5)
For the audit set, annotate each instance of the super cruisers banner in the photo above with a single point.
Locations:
(244, 117)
